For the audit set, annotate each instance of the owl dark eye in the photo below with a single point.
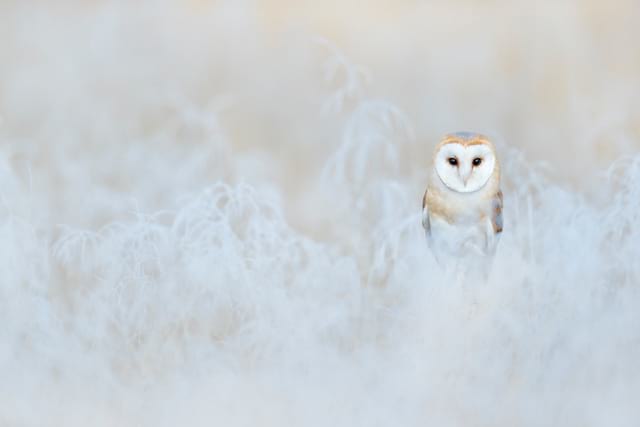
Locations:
(477, 161)
(453, 161)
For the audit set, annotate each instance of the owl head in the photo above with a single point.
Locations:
(465, 161)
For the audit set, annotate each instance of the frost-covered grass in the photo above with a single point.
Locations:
(209, 215)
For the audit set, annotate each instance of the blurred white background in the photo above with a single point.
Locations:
(209, 213)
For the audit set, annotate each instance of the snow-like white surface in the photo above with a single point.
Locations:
(211, 215)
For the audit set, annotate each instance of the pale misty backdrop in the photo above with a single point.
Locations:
(210, 213)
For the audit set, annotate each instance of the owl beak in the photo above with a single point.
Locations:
(465, 173)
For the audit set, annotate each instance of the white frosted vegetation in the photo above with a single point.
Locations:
(199, 228)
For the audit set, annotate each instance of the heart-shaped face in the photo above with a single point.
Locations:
(465, 168)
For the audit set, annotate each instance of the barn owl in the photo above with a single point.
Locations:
(462, 206)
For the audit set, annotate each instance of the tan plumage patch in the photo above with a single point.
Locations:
(425, 213)
(496, 219)
(464, 138)
(437, 206)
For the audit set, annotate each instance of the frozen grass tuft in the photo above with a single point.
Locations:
(201, 225)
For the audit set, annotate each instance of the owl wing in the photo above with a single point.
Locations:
(426, 224)
(494, 227)
(496, 213)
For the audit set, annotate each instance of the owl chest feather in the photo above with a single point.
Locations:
(458, 222)
(455, 237)
(458, 209)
